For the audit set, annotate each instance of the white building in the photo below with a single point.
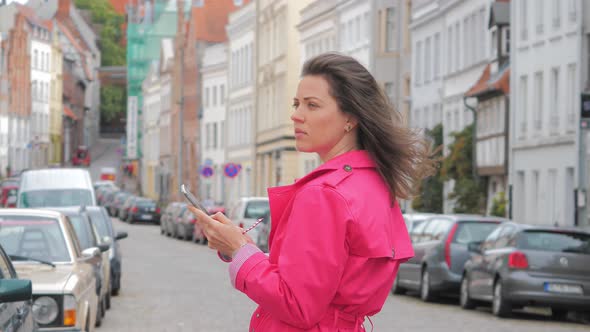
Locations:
(151, 131)
(165, 158)
(214, 74)
(427, 89)
(3, 108)
(40, 42)
(318, 30)
(548, 45)
(355, 30)
(241, 30)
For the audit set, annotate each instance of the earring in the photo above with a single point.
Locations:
(348, 128)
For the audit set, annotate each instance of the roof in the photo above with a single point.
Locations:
(68, 112)
(31, 212)
(500, 13)
(32, 17)
(499, 82)
(77, 45)
(209, 21)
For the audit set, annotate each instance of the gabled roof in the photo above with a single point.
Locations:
(209, 21)
(32, 17)
(499, 82)
(82, 51)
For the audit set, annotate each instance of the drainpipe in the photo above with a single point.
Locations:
(474, 143)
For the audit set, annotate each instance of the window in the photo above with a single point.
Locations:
(554, 97)
(557, 13)
(571, 98)
(436, 56)
(222, 94)
(418, 63)
(35, 60)
(221, 133)
(357, 29)
(390, 31)
(214, 135)
(506, 42)
(523, 100)
(572, 10)
(458, 46)
(494, 43)
(466, 42)
(206, 97)
(427, 62)
(450, 49)
(389, 91)
(214, 98)
(539, 18)
(535, 194)
(538, 100)
(523, 20)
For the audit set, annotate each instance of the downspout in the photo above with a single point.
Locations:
(474, 139)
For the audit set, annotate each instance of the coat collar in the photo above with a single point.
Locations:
(354, 159)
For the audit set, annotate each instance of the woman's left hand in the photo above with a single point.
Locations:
(221, 233)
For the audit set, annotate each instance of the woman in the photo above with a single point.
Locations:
(338, 235)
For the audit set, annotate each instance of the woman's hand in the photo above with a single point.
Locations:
(221, 233)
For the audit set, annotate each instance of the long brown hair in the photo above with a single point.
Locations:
(402, 155)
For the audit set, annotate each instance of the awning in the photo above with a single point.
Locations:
(68, 112)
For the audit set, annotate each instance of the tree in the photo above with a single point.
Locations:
(431, 188)
(112, 101)
(499, 205)
(469, 192)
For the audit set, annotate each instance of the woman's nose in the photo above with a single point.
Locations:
(296, 116)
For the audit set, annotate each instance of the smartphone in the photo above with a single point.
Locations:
(192, 199)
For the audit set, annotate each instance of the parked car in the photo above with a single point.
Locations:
(440, 252)
(44, 247)
(143, 209)
(167, 216)
(186, 226)
(264, 232)
(89, 238)
(520, 265)
(172, 223)
(124, 209)
(246, 211)
(81, 156)
(115, 201)
(55, 187)
(16, 299)
(104, 226)
(8, 196)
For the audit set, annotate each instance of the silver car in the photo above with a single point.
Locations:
(44, 248)
(519, 265)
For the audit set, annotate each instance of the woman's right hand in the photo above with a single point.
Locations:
(221, 233)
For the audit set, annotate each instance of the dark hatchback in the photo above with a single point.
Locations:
(440, 248)
(520, 265)
(143, 209)
(15, 299)
(104, 226)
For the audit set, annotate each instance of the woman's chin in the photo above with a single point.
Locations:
(303, 147)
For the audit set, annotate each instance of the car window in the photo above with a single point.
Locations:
(554, 241)
(83, 231)
(504, 237)
(146, 204)
(99, 223)
(473, 232)
(441, 229)
(428, 233)
(5, 270)
(416, 234)
(33, 236)
(75, 240)
(490, 241)
(56, 198)
(256, 209)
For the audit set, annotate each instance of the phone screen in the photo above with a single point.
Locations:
(192, 199)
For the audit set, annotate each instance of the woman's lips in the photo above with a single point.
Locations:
(299, 133)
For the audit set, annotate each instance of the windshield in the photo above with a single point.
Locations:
(256, 209)
(55, 198)
(82, 230)
(81, 154)
(36, 237)
(556, 241)
(474, 231)
(98, 220)
(146, 204)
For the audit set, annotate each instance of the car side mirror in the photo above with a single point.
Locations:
(120, 236)
(15, 290)
(474, 247)
(92, 255)
(104, 247)
(107, 240)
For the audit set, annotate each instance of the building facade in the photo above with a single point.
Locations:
(165, 163)
(4, 103)
(151, 132)
(355, 27)
(547, 49)
(239, 141)
(55, 101)
(278, 70)
(213, 124)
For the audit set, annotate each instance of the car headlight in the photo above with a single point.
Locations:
(45, 310)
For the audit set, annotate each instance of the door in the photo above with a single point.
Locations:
(478, 273)
(493, 259)
(409, 271)
(14, 316)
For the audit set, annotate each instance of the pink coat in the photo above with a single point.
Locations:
(335, 248)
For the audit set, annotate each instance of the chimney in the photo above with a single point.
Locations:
(63, 7)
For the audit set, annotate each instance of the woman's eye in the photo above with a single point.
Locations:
(295, 105)
(312, 105)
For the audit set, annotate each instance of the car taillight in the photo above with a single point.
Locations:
(448, 245)
(518, 260)
(193, 221)
(135, 209)
(158, 210)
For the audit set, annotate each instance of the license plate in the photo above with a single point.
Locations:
(564, 288)
(146, 216)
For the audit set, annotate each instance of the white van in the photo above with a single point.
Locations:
(55, 187)
(246, 211)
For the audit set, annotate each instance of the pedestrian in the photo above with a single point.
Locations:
(338, 236)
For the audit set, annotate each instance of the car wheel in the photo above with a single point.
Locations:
(465, 299)
(108, 299)
(425, 291)
(397, 289)
(99, 314)
(559, 314)
(500, 307)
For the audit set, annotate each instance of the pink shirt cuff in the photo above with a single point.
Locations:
(239, 259)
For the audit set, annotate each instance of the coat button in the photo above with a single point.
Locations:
(257, 315)
(347, 168)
